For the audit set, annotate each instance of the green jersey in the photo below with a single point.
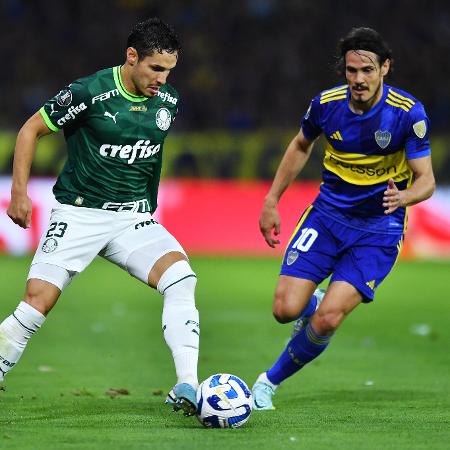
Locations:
(114, 141)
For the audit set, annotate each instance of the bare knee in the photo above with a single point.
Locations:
(327, 322)
(41, 295)
(284, 310)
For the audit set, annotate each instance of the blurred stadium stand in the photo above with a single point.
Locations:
(248, 68)
(246, 75)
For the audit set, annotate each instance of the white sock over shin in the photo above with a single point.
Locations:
(15, 331)
(180, 320)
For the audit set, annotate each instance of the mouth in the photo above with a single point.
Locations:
(359, 89)
(153, 89)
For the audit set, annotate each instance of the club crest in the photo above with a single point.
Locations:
(383, 137)
(291, 257)
(163, 119)
(420, 128)
(49, 245)
(64, 98)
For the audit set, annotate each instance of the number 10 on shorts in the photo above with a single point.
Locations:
(306, 239)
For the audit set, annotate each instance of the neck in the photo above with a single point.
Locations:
(362, 108)
(125, 73)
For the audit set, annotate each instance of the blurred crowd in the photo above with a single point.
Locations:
(245, 64)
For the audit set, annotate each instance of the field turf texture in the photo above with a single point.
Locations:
(96, 375)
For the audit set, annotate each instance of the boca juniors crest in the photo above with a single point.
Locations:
(291, 257)
(383, 137)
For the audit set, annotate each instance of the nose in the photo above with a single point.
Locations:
(162, 78)
(359, 77)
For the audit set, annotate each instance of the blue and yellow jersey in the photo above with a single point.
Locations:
(363, 151)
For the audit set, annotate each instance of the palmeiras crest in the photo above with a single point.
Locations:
(383, 137)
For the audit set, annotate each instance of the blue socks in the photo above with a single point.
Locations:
(301, 349)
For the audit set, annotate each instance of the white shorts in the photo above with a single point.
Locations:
(76, 235)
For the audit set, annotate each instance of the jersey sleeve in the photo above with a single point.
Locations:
(311, 121)
(68, 107)
(417, 136)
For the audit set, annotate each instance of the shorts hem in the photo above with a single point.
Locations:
(297, 274)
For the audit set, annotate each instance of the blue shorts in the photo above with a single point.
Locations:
(321, 246)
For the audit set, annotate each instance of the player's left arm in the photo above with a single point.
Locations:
(421, 188)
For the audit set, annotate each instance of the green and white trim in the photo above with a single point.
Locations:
(122, 89)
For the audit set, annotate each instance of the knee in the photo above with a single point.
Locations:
(283, 310)
(327, 322)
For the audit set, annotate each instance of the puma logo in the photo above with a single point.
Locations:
(113, 117)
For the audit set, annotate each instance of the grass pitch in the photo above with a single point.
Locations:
(95, 376)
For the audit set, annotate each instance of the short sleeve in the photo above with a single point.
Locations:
(417, 136)
(311, 121)
(67, 107)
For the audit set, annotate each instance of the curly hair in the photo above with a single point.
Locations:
(153, 35)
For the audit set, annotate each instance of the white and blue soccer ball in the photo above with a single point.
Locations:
(224, 401)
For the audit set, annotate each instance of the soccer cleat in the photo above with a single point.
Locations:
(303, 319)
(262, 395)
(183, 396)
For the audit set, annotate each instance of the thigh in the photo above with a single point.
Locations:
(140, 246)
(312, 250)
(74, 237)
(367, 262)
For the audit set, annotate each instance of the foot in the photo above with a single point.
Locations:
(303, 319)
(262, 395)
(183, 396)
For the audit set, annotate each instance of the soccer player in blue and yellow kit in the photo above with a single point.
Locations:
(377, 163)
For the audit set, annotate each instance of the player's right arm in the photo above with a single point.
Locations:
(294, 159)
(19, 209)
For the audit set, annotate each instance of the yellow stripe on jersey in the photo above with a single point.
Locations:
(389, 102)
(365, 170)
(406, 100)
(398, 103)
(333, 92)
(337, 88)
(332, 99)
(300, 222)
(338, 135)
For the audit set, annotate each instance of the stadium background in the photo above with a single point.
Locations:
(246, 75)
(96, 374)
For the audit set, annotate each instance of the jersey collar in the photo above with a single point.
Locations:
(121, 87)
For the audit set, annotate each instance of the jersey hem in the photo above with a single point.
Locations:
(343, 222)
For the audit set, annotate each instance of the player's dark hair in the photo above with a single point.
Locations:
(153, 35)
(362, 39)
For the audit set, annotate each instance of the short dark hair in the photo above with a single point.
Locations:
(362, 38)
(153, 35)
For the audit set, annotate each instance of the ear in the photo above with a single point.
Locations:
(132, 56)
(385, 67)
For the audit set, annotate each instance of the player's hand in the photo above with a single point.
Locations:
(393, 198)
(19, 210)
(268, 221)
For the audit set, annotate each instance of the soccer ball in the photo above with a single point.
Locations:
(224, 401)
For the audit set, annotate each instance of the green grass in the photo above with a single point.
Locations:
(379, 385)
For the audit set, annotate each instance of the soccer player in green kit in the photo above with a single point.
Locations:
(115, 123)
